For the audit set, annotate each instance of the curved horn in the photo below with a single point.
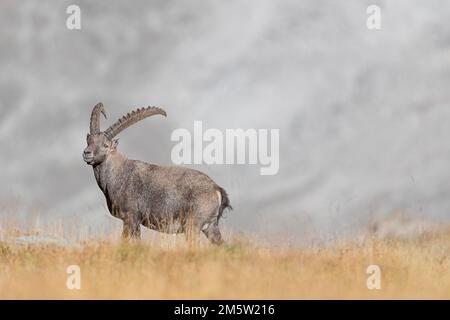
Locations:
(95, 117)
(131, 118)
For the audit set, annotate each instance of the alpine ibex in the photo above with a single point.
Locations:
(168, 199)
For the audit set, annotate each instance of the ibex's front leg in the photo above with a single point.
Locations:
(192, 229)
(131, 228)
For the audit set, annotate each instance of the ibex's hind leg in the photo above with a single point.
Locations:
(212, 232)
(211, 229)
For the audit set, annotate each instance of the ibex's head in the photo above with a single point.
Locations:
(101, 144)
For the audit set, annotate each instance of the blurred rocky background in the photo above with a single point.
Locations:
(363, 115)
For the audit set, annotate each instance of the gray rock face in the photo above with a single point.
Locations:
(33, 240)
(400, 225)
(363, 115)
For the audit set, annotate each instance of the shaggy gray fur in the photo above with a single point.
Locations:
(167, 199)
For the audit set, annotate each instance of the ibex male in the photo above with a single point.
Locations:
(168, 199)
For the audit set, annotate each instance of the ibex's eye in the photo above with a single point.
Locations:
(105, 145)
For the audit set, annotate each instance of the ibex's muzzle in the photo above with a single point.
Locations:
(88, 156)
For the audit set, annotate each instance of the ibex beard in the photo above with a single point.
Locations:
(157, 197)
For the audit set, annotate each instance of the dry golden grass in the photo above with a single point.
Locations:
(418, 268)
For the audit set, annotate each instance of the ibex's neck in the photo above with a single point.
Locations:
(107, 172)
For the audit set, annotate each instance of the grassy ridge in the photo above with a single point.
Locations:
(416, 268)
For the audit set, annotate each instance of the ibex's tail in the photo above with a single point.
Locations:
(225, 202)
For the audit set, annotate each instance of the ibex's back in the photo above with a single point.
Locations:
(164, 198)
(168, 199)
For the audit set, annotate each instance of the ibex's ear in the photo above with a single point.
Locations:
(114, 144)
(87, 137)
